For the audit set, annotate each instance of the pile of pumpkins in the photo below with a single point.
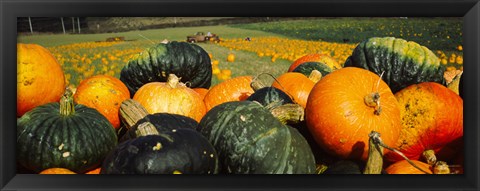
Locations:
(163, 117)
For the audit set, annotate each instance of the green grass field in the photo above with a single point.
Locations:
(433, 32)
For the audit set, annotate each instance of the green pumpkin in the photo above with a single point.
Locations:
(159, 144)
(186, 60)
(403, 62)
(270, 95)
(250, 140)
(307, 68)
(64, 135)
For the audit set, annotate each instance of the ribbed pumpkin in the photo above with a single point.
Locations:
(250, 140)
(270, 95)
(296, 85)
(103, 93)
(40, 78)
(345, 106)
(403, 62)
(432, 117)
(307, 68)
(64, 135)
(171, 97)
(403, 167)
(235, 89)
(322, 58)
(188, 61)
(158, 148)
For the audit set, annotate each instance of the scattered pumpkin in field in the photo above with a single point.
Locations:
(40, 78)
(42, 141)
(344, 107)
(231, 57)
(186, 60)
(171, 97)
(235, 89)
(403, 62)
(432, 117)
(103, 93)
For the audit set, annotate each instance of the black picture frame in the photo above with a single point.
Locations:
(11, 9)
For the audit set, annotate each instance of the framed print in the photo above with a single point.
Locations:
(235, 95)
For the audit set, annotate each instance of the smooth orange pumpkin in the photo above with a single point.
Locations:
(432, 117)
(171, 97)
(342, 110)
(105, 94)
(94, 171)
(235, 89)
(40, 78)
(57, 171)
(403, 167)
(231, 57)
(202, 91)
(296, 85)
(323, 58)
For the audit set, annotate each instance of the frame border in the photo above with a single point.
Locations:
(11, 9)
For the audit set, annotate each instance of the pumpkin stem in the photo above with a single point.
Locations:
(441, 167)
(145, 129)
(173, 80)
(380, 143)
(375, 154)
(373, 100)
(67, 106)
(131, 112)
(429, 156)
(315, 76)
(256, 84)
(287, 113)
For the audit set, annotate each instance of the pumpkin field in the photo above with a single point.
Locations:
(313, 96)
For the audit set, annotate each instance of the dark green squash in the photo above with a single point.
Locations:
(269, 95)
(64, 135)
(307, 68)
(158, 148)
(403, 62)
(250, 140)
(186, 60)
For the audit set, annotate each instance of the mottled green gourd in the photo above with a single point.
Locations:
(307, 68)
(250, 140)
(403, 62)
(186, 60)
(64, 135)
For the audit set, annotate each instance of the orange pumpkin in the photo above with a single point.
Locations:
(57, 171)
(432, 117)
(342, 109)
(94, 171)
(231, 57)
(171, 97)
(296, 85)
(235, 89)
(403, 167)
(323, 58)
(105, 94)
(40, 78)
(202, 91)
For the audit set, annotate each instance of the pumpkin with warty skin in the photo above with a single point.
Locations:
(103, 93)
(250, 140)
(171, 97)
(432, 117)
(159, 148)
(403, 62)
(403, 167)
(188, 61)
(34, 86)
(321, 58)
(63, 135)
(345, 106)
(235, 89)
(307, 68)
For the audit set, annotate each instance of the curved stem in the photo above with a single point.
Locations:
(288, 113)
(173, 80)
(67, 106)
(375, 155)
